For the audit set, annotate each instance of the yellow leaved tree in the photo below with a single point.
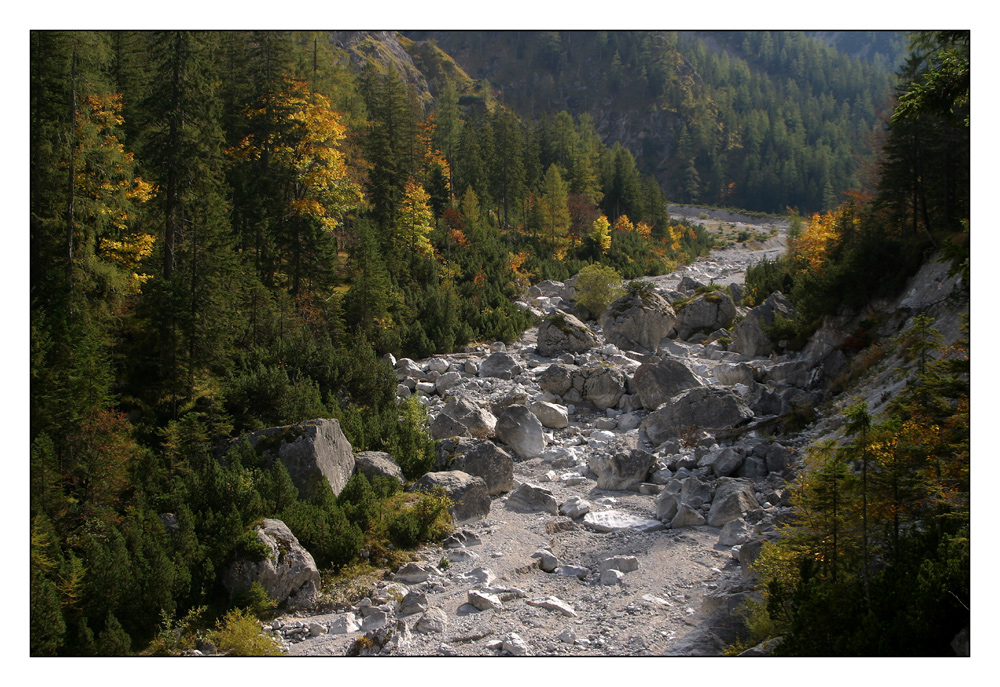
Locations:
(321, 187)
(102, 235)
(601, 233)
(416, 219)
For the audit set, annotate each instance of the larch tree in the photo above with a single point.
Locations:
(553, 211)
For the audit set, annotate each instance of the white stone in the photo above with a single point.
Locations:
(575, 507)
(514, 645)
(433, 620)
(553, 603)
(622, 563)
(612, 520)
(611, 577)
(344, 624)
(483, 601)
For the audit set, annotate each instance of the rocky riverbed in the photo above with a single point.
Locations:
(613, 479)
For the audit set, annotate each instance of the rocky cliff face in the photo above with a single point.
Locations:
(383, 49)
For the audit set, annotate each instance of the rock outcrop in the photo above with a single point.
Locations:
(658, 382)
(287, 572)
(750, 336)
(638, 321)
(310, 451)
(469, 496)
(479, 458)
(564, 333)
(699, 409)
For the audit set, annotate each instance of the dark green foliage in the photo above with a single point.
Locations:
(113, 640)
(47, 624)
(323, 528)
(248, 316)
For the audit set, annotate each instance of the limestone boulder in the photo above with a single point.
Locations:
(731, 374)
(658, 382)
(638, 321)
(750, 336)
(287, 573)
(564, 333)
(603, 385)
(482, 458)
(723, 461)
(529, 498)
(378, 463)
(551, 415)
(620, 469)
(687, 517)
(701, 408)
(433, 620)
(556, 379)
(500, 365)
(469, 496)
(705, 312)
(462, 417)
(734, 497)
(446, 382)
(613, 520)
(689, 491)
(521, 430)
(310, 451)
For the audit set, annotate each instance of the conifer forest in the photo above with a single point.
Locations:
(231, 230)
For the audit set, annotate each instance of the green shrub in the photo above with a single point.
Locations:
(597, 287)
(176, 636)
(238, 633)
(251, 547)
(255, 600)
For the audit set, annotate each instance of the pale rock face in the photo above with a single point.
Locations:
(433, 620)
(550, 415)
(604, 387)
(483, 458)
(553, 603)
(612, 520)
(415, 573)
(575, 507)
(733, 498)
(529, 498)
(749, 337)
(469, 495)
(706, 312)
(734, 532)
(289, 574)
(515, 646)
(344, 624)
(687, 517)
(624, 564)
(611, 577)
(521, 430)
(462, 417)
(483, 601)
(378, 463)
(639, 321)
(701, 408)
(317, 448)
(564, 333)
(500, 365)
(723, 462)
(621, 469)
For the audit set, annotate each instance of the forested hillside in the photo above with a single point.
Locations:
(229, 229)
(760, 120)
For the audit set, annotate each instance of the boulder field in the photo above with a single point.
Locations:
(613, 479)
